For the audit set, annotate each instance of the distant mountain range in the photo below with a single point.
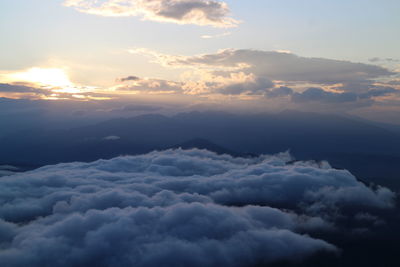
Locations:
(369, 150)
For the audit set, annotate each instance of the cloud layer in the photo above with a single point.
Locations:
(199, 12)
(295, 80)
(176, 208)
(272, 78)
(278, 66)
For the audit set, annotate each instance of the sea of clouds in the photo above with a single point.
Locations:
(180, 208)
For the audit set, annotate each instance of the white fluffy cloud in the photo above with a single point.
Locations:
(199, 12)
(175, 208)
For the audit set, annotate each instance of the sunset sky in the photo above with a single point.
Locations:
(339, 56)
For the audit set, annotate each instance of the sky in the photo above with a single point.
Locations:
(330, 56)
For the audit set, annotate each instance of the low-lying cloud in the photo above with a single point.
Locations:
(6, 170)
(175, 208)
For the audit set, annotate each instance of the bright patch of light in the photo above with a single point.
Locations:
(45, 77)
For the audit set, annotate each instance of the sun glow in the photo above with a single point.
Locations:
(52, 77)
(50, 84)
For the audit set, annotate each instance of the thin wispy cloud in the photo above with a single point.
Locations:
(208, 36)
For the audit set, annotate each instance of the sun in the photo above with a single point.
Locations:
(52, 77)
(55, 80)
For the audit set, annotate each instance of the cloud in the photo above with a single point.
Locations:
(112, 138)
(328, 97)
(129, 78)
(9, 167)
(319, 95)
(152, 86)
(198, 12)
(6, 170)
(270, 75)
(26, 90)
(374, 59)
(183, 234)
(250, 85)
(10, 88)
(176, 208)
(45, 83)
(378, 59)
(242, 84)
(237, 83)
(279, 92)
(208, 36)
(394, 82)
(137, 108)
(279, 66)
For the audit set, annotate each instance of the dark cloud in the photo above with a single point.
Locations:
(176, 208)
(374, 59)
(379, 91)
(137, 108)
(279, 92)
(319, 95)
(128, 78)
(365, 86)
(9, 88)
(32, 91)
(378, 59)
(211, 10)
(394, 82)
